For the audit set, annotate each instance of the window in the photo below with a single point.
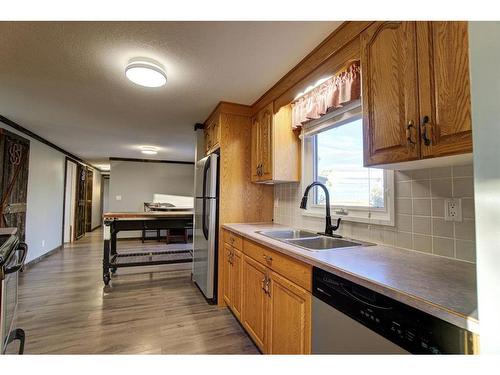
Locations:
(333, 155)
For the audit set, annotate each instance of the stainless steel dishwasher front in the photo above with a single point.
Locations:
(333, 332)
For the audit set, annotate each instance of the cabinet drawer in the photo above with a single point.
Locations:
(233, 239)
(294, 270)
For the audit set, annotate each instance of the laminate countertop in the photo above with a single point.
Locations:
(442, 287)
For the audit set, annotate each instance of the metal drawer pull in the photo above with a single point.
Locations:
(268, 258)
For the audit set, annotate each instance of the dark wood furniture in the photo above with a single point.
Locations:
(14, 164)
(115, 222)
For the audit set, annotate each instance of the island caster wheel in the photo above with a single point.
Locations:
(106, 279)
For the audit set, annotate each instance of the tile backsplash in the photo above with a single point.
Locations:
(419, 213)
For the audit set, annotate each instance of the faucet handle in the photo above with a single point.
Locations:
(335, 227)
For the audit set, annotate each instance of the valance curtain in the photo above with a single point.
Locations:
(333, 93)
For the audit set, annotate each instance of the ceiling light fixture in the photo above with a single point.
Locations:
(149, 150)
(146, 73)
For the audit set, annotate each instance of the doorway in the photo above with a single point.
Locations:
(78, 200)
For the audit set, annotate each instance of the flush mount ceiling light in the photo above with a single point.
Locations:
(146, 73)
(149, 150)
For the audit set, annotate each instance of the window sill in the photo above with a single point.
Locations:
(379, 219)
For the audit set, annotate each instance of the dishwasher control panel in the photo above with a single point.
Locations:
(410, 328)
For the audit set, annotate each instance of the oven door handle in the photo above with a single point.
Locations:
(24, 249)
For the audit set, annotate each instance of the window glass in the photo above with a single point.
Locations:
(339, 165)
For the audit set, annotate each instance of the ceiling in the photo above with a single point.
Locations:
(65, 81)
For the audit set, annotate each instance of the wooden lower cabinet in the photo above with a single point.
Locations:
(236, 282)
(288, 317)
(276, 312)
(232, 278)
(255, 300)
(226, 274)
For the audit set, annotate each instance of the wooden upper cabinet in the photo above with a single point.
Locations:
(289, 317)
(390, 92)
(416, 91)
(266, 141)
(275, 147)
(255, 172)
(212, 133)
(444, 88)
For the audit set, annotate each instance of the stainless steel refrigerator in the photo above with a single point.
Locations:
(205, 235)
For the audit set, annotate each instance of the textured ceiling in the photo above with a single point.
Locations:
(65, 80)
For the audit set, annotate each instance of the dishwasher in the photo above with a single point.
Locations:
(348, 318)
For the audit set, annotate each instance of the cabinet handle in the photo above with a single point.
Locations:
(268, 287)
(268, 258)
(425, 122)
(408, 133)
(264, 284)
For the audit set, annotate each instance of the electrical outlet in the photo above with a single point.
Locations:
(118, 197)
(43, 243)
(453, 209)
(276, 202)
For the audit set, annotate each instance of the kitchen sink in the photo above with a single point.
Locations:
(311, 241)
(288, 234)
(323, 243)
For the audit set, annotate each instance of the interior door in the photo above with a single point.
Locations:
(88, 200)
(390, 94)
(14, 163)
(81, 201)
(444, 88)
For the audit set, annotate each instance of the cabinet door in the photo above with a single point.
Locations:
(208, 138)
(255, 149)
(289, 318)
(390, 94)
(226, 274)
(254, 307)
(236, 282)
(444, 88)
(266, 138)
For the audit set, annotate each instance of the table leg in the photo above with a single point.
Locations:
(106, 277)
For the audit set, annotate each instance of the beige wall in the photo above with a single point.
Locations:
(136, 182)
(419, 202)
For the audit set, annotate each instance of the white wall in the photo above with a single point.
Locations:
(96, 219)
(485, 87)
(44, 212)
(136, 182)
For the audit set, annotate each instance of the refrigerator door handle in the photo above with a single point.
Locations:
(204, 224)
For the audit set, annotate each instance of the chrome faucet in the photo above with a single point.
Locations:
(329, 228)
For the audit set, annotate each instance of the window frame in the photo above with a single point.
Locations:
(339, 117)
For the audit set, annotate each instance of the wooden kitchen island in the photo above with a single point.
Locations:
(115, 222)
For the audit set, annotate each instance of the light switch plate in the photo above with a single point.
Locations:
(118, 197)
(453, 209)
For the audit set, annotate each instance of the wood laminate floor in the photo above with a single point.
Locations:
(64, 308)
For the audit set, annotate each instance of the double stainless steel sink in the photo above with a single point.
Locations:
(311, 241)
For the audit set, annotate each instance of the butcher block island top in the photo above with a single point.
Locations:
(145, 215)
(442, 287)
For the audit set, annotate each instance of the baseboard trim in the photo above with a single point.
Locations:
(97, 227)
(32, 262)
